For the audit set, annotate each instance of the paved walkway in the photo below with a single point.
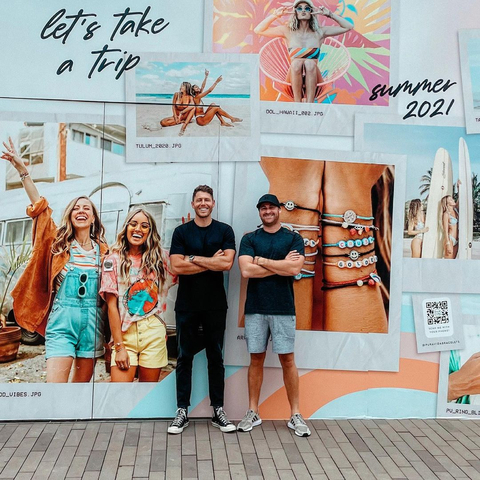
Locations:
(367, 449)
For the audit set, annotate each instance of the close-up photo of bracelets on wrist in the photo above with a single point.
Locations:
(343, 212)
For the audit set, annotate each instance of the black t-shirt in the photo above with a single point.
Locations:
(271, 295)
(201, 291)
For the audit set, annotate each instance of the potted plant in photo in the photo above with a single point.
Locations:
(12, 259)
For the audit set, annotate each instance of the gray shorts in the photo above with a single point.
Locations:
(258, 328)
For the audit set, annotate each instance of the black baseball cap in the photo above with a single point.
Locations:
(268, 198)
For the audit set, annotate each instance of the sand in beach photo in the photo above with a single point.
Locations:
(149, 116)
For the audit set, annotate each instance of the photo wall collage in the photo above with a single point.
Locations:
(364, 120)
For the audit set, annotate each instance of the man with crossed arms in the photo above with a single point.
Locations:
(270, 257)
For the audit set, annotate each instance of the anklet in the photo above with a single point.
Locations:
(351, 243)
(291, 205)
(348, 217)
(371, 280)
(350, 263)
(352, 255)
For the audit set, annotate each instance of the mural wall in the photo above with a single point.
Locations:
(135, 106)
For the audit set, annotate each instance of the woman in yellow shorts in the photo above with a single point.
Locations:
(136, 277)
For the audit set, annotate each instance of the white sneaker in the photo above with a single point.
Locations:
(250, 420)
(298, 424)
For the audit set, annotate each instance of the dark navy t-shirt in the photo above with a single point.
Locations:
(271, 295)
(201, 291)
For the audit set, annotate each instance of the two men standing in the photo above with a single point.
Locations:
(270, 257)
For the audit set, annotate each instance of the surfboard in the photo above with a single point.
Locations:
(441, 184)
(465, 203)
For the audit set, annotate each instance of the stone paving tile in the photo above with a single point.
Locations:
(237, 471)
(344, 449)
(374, 465)
(269, 471)
(312, 463)
(77, 467)
(375, 447)
(189, 466)
(339, 457)
(205, 470)
(252, 465)
(220, 459)
(330, 469)
(349, 474)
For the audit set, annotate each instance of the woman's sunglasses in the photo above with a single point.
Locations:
(82, 289)
(304, 9)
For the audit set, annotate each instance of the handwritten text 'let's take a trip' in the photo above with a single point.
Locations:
(60, 26)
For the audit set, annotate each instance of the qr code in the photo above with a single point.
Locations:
(437, 312)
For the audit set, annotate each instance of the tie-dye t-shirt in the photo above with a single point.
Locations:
(139, 297)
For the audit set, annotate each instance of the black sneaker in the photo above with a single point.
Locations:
(179, 422)
(221, 421)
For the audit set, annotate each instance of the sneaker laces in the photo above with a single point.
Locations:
(250, 415)
(297, 419)
(180, 417)
(221, 415)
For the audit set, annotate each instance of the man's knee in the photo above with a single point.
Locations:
(287, 360)
(257, 359)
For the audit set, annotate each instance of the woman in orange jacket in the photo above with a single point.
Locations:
(57, 295)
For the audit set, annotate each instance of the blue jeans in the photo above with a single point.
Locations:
(75, 324)
(213, 323)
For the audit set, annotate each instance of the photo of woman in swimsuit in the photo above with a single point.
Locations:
(204, 117)
(182, 108)
(304, 38)
(416, 226)
(57, 294)
(450, 225)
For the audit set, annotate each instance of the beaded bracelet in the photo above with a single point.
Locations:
(354, 228)
(291, 205)
(352, 254)
(371, 280)
(349, 216)
(23, 176)
(309, 242)
(351, 243)
(350, 263)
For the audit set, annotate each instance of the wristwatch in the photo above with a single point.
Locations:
(191, 258)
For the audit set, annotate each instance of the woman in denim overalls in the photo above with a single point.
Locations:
(66, 260)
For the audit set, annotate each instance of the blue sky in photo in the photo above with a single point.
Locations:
(165, 78)
(474, 63)
(420, 143)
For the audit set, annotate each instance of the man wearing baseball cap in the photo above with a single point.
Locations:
(270, 257)
(304, 38)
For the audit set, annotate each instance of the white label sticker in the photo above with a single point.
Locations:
(437, 316)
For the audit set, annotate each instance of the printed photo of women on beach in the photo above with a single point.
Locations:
(442, 208)
(313, 51)
(189, 100)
